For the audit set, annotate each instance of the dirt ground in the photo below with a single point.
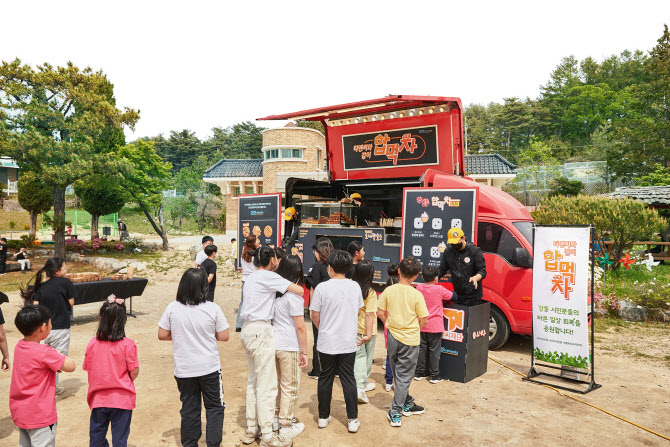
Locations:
(498, 408)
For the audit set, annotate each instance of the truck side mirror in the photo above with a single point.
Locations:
(521, 258)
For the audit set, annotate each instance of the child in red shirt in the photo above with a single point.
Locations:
(111, 362)
(32, 393)
(430, 347)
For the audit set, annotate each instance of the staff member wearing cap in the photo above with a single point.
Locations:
(466, 263)
(363, 211)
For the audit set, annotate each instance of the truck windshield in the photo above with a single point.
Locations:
(526, 229)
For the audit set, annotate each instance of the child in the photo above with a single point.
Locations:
(357, 252)
(291, 344)
(251, 244)
(57, 293)
(334, 309)
(233, 252)
(431, 333)
(258, 341)
(201, 256)
(210, 268)
(21, 258)
(32, 400)
(392, 271)
(194, 325)
(407, 314)
(318, 273)
(111, 362)
(367, 330)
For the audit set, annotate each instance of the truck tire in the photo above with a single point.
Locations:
(499, 329)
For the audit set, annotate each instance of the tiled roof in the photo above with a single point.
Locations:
(652, 195)
(236, 168)
(490, 164)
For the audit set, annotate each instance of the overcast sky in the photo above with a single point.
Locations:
(200, 64)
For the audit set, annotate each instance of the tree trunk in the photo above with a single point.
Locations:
(33, 223)
(161, 222)
(59, 221)
(159, 230)
(94, 226)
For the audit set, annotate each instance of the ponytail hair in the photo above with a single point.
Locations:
(263, 256)
(50, 268)
(363, 274)
(112, 323)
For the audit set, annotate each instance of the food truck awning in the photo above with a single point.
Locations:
(370, 106)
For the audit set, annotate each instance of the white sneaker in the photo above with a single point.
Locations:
(353, 426)
(275, 424)
(250, 435)
(369, 386)
(362, 397)
(420, 377)
(388, 387)
(436, 380)
(292, 431)
(323, 423)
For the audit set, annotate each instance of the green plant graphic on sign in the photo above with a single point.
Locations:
(561, 358)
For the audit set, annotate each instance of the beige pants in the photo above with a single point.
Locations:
(289, 382)
(258, 341)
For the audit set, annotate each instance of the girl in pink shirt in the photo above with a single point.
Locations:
(428, 363)
(111, 362)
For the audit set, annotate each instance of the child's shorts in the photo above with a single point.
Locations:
(43, 436)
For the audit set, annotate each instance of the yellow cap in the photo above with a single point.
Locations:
(455, 234)
(289, 213)
(355, 196)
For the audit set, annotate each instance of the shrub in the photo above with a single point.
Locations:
(133, 242)
(623, 220)
(74, 244)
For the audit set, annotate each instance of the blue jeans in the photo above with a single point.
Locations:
(389, 373)
(100, 419)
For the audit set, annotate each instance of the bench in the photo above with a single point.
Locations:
(67, 236)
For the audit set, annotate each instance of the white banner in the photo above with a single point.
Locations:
(560, 290)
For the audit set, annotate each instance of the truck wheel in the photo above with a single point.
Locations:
(499, 329)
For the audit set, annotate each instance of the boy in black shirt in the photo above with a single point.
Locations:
(210, 267)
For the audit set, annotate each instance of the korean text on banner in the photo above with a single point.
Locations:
(561, 275)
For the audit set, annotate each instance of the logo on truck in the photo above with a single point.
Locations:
(393, 148)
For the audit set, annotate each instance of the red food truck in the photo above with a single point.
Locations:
(404, 156)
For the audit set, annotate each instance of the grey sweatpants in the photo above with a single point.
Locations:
(403, 364)
(59, 339)
(38, 437)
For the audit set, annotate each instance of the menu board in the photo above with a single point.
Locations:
(387, 149)
(259, 214)
(427, 216)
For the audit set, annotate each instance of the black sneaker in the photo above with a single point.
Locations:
(412, 409)
(312, 375)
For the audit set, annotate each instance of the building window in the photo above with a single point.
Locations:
(237, 191)
(250, 189)
(271, 154)
(260, 190)
(318, 159)
(284, 153)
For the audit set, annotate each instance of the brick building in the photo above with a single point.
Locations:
(289, 151)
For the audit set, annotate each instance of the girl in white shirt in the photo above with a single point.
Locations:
(251, 244)
(258, 341)
(291, 344)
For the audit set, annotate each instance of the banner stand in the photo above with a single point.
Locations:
(533, 372)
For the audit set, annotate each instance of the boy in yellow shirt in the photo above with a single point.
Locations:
(407, 314)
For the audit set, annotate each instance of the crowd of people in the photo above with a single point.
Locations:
(343, 308)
